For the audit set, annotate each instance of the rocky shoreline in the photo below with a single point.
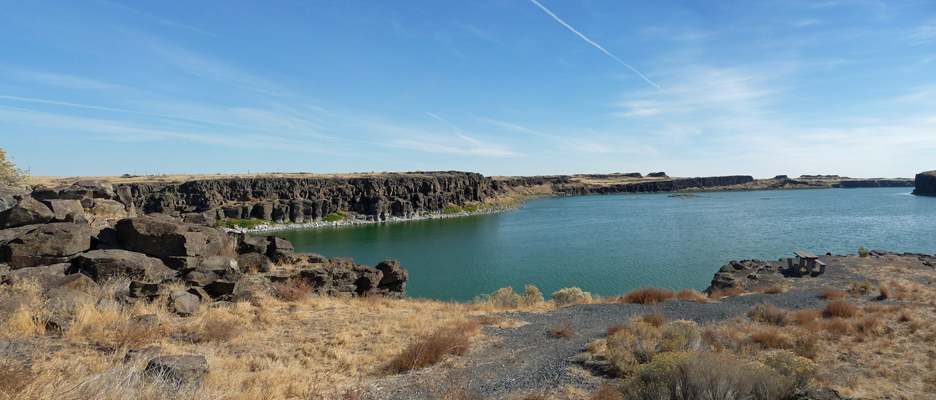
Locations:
(357, 220)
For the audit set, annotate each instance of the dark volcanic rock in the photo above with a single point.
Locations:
(163, 237)
(254, 263)
(48, 244)
(27, 211)
(925, 184)
(179, 369)
(392, 272)
(103, 264)
(66, 210)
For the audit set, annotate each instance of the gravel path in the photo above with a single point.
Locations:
(519, 359)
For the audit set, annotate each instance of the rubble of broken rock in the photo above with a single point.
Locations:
(71, 239)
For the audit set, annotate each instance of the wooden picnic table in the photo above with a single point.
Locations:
(810, 261)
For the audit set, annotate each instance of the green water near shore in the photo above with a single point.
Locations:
(611, 244)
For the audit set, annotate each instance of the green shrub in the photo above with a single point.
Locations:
(531, 296)
(863, 252)
(242, 223)
(640, 342)
(800, 371)
(452, 210)
(333, 217)
(687, 375)
(505, 298)
(571, 295)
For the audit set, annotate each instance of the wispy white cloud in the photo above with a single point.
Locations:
(58, 80)
(156, 18)
(924, 34)
(216, 70)
(477, 32)
(93, 107)
(516, 128)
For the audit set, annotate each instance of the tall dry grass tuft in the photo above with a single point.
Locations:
(297, 289)
(22, 310)
(647, 295)
(769, 314)
(562, 330)
(839, 308)
(432, 348)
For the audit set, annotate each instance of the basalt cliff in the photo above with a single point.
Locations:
(925, 184)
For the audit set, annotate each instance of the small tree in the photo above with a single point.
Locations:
(9, 174)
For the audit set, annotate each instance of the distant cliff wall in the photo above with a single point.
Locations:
(302, 199)
(864, 183)
(925, 183)
(566, 185)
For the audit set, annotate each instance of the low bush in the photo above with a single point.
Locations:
(432, 348)
(296, 289)
(832, 294)
(647, 295)
(655, 318)
(687, 375)
(800, 371)
(639, 342)
(863, 252)
(452, 210)
(883, 292)
(860, 288)
(571, 295)
(771, 338)
(531, 296)
(839, 308)
(775, 289)
(563, 330)
(806, 316)
(767, 313)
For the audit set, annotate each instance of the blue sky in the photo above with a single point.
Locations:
(500, 87)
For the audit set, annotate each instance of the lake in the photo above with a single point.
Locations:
(610, 244)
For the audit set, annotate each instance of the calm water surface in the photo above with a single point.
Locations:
(610, 244)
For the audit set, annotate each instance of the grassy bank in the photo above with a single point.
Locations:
(285, 343)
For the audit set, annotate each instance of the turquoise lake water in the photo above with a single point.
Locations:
(610, 244)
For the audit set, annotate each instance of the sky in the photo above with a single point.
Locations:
(499, 87)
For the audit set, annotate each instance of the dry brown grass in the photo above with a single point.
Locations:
(769, 314)
(295, 290)
(265, 348)
(647, 295)
(432, 348)
(734, 292)
(775, 289)
(839, 308)
(562, 330)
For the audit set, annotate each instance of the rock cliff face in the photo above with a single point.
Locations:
(566, 185)
(926, 183)
(302, 199)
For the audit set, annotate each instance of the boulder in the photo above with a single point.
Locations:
(44, 275)
(137, 354)
(108, 305)
(104, 236)
(103, 264)
(58, 323)
(392, 272)
(368, 278)
(342, 262)
(105, 208)
(183, 303)
(254, 263)
(48, 244)
(212, 269)
(200, 218)
(66, 210)
(77, 282)
(99, 189)
(279, 249)
(189, 370)
(161, 236)
(253, 244)
(27, 211)
(64, 301)
(147, 290)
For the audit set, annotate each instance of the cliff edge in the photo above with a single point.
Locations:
(925, 184)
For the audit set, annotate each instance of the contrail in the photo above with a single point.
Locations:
(118, 110)
(595, 44)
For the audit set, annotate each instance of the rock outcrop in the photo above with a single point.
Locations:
(925, 184)
(71, 238)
